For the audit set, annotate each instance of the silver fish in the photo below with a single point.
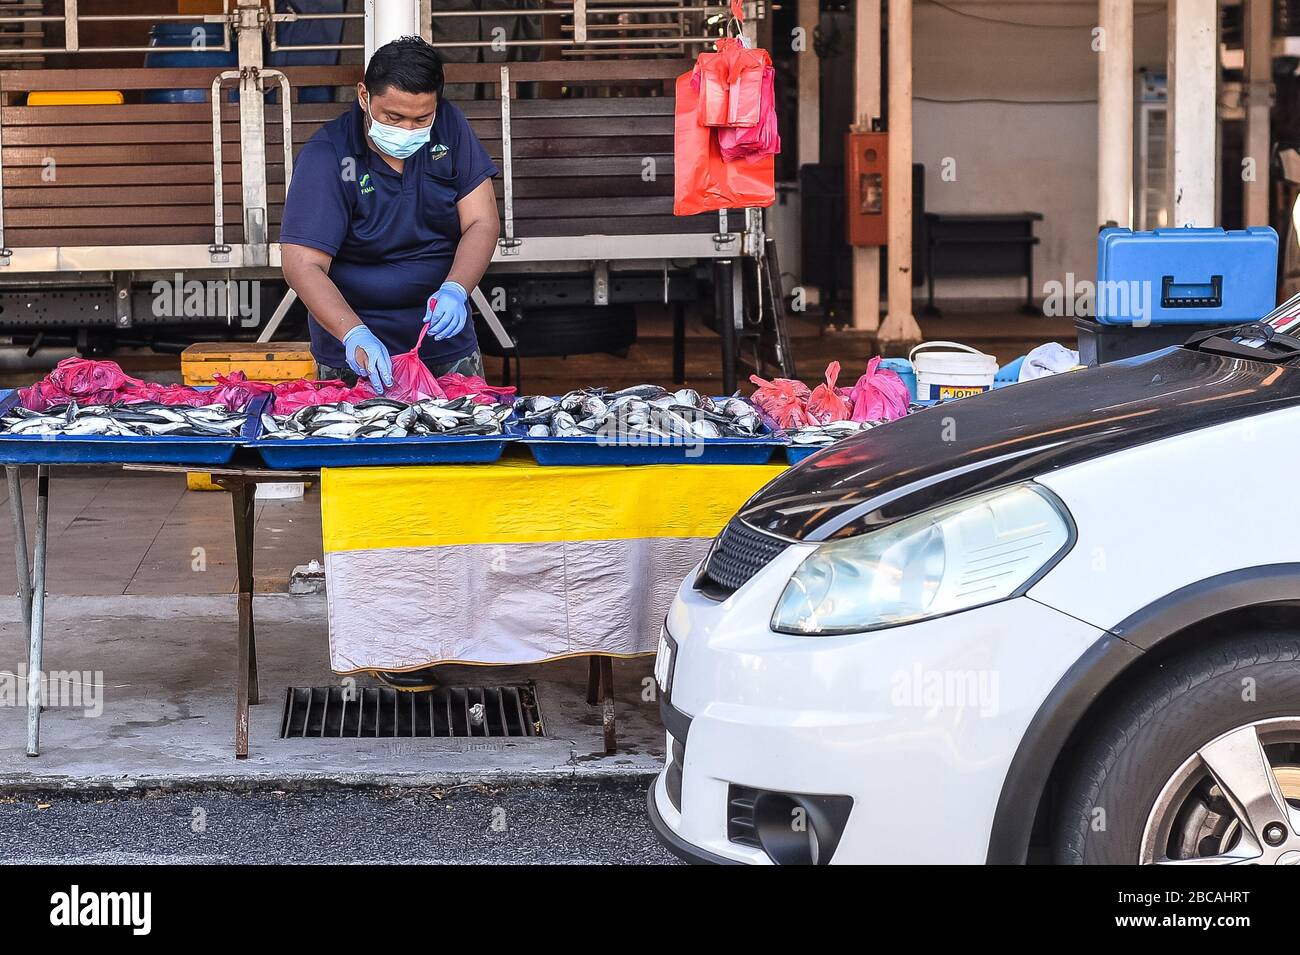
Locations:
(642, 411)
(386, 418)
(125, 419)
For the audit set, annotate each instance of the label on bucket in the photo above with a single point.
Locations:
(958, 391)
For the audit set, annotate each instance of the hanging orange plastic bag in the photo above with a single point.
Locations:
(702, 180)
(730, 84)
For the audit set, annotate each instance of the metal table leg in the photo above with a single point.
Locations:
(14, 476)
(679, 343)
(724, 273)
(37, 631)
(241, 496)
(600, 690)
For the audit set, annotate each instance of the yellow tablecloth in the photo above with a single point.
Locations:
(512, 562)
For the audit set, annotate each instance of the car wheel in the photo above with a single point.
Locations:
(1199, 763)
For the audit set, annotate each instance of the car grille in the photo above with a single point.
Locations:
(740, 816)
(738, 554)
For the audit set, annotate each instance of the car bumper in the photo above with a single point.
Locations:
(916, 724)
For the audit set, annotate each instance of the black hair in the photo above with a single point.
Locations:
(409, 63)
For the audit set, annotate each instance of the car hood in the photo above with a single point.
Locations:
(1013, 434)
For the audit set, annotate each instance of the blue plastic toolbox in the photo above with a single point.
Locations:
(107, 449)
(1185, 276)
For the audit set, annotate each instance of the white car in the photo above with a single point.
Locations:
(1058, 621)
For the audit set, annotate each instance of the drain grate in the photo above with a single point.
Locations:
(336, 712)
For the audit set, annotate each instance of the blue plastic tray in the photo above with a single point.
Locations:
(794, 453)
(106, 449)
(381, 452)
(596, 450)
(582, 451)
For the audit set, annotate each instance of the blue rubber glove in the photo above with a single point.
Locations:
(378, 367)
(447, 312)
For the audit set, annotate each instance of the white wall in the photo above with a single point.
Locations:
(1017, 156)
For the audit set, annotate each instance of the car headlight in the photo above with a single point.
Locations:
(972, 552)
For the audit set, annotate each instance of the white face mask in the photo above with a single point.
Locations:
(397, 142)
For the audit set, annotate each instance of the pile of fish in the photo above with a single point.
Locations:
(829, 433)
(643, 412)
(134, 419)
(388, 418)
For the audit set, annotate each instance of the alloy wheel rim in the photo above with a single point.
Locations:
(1235, 801)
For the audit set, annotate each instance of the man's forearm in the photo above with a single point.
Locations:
(473, 254)
(319, 293)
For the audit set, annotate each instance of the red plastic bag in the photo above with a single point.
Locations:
(730, 84)
(826, 404)
(761, 139)
(783, 400)
(702, 180)
(879, 395)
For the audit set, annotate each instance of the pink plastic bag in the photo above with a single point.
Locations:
(782, 400)
(826, 404)
(82, 378)
(761, 139)
(879, 395)
(412, 379)
(235, 391)
(291, 396)
(457, 385)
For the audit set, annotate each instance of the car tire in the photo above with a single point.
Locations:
(1156, 727)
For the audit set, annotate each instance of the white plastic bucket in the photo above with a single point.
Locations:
(956, 371)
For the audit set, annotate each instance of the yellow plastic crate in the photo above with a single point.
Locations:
(272, 361)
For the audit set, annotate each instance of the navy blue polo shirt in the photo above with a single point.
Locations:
(392, 236)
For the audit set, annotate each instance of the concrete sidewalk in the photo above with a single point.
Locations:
(167, 664)
(130, 532)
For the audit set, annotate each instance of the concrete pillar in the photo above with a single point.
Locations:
(1193, 105)
(900, 329)
(866, 107)
(1259, 101)
(1115, 113)
(386, 20)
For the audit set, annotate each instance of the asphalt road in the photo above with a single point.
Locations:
(561, 824)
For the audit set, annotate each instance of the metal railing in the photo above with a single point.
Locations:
(72, 18)
(583, 21)
(252, 203)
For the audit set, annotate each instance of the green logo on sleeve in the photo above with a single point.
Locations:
(365, 185)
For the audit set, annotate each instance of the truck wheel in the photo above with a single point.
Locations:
(1199, 763)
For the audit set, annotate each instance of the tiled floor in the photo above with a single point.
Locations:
(118, 532)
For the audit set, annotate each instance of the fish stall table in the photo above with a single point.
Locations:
(554, 561)
(241, 482)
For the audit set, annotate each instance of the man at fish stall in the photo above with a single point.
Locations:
(390, 222)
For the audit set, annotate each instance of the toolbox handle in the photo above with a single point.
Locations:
(1191, 294)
